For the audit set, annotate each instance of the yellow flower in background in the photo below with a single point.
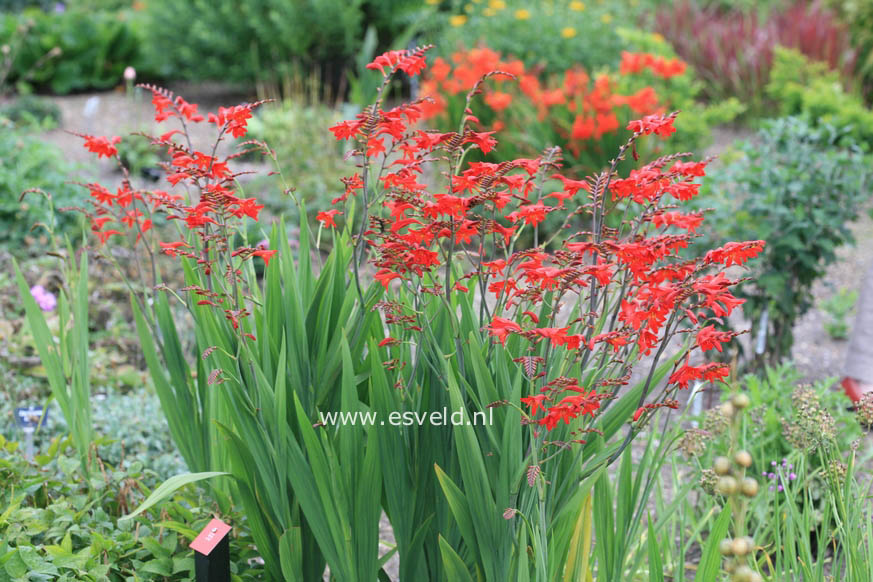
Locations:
(577, 6)
(496, 4)
(432, 2)
(658, 36)
(457, 20)
(522, 14)
(606, 18)
(468, 8)
(568, 32)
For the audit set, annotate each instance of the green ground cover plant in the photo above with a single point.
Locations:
(57, 524)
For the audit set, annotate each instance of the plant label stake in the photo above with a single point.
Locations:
(29, 419)
(212, 553)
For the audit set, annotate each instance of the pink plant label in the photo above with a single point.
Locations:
(213, 533)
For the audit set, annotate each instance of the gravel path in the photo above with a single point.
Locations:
(816, 354)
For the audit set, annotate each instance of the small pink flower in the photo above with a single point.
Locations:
(44, 298)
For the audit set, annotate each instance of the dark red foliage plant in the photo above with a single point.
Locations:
(732, 50)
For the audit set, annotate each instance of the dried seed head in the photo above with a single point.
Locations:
(864, 410)
(811, 425)
(708, 481)
(715, 422)
(693, 442)
(836, 470)
(728, 410)
(726, 547)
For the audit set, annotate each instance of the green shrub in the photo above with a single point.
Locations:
(90, 48)
(795, 188)
(858, 16)
(556, 36)
(31, 111)
(838, 307)
(27, 162)
(242, 40)
(808, 88)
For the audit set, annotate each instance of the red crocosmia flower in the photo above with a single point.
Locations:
(689, 222)
(169, 134)
(102, 146)
(535, 402)
(249, 207)
(735, 253)
(711, 372)
(266, 255)
(172, 248)
(101, 194)
(557, 335)
(385, 276)
(346, 129)
(502, 327)
(104, 235)
(100, 221)
(689, 168)
(709, 338)
(326, 217)
(658, 124)
(388, 341)
(532, 214)
(496, 266)
(498, 101)
(188, 110)
(131, 217)
(483, 139)
(572, 186)
(684, 375)
(233, 119)
(715, 372)
(583, 128)
(410, 62)
(561, 197)
(177, 177)
(162, 103)
(375, 147)
(683, 191)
